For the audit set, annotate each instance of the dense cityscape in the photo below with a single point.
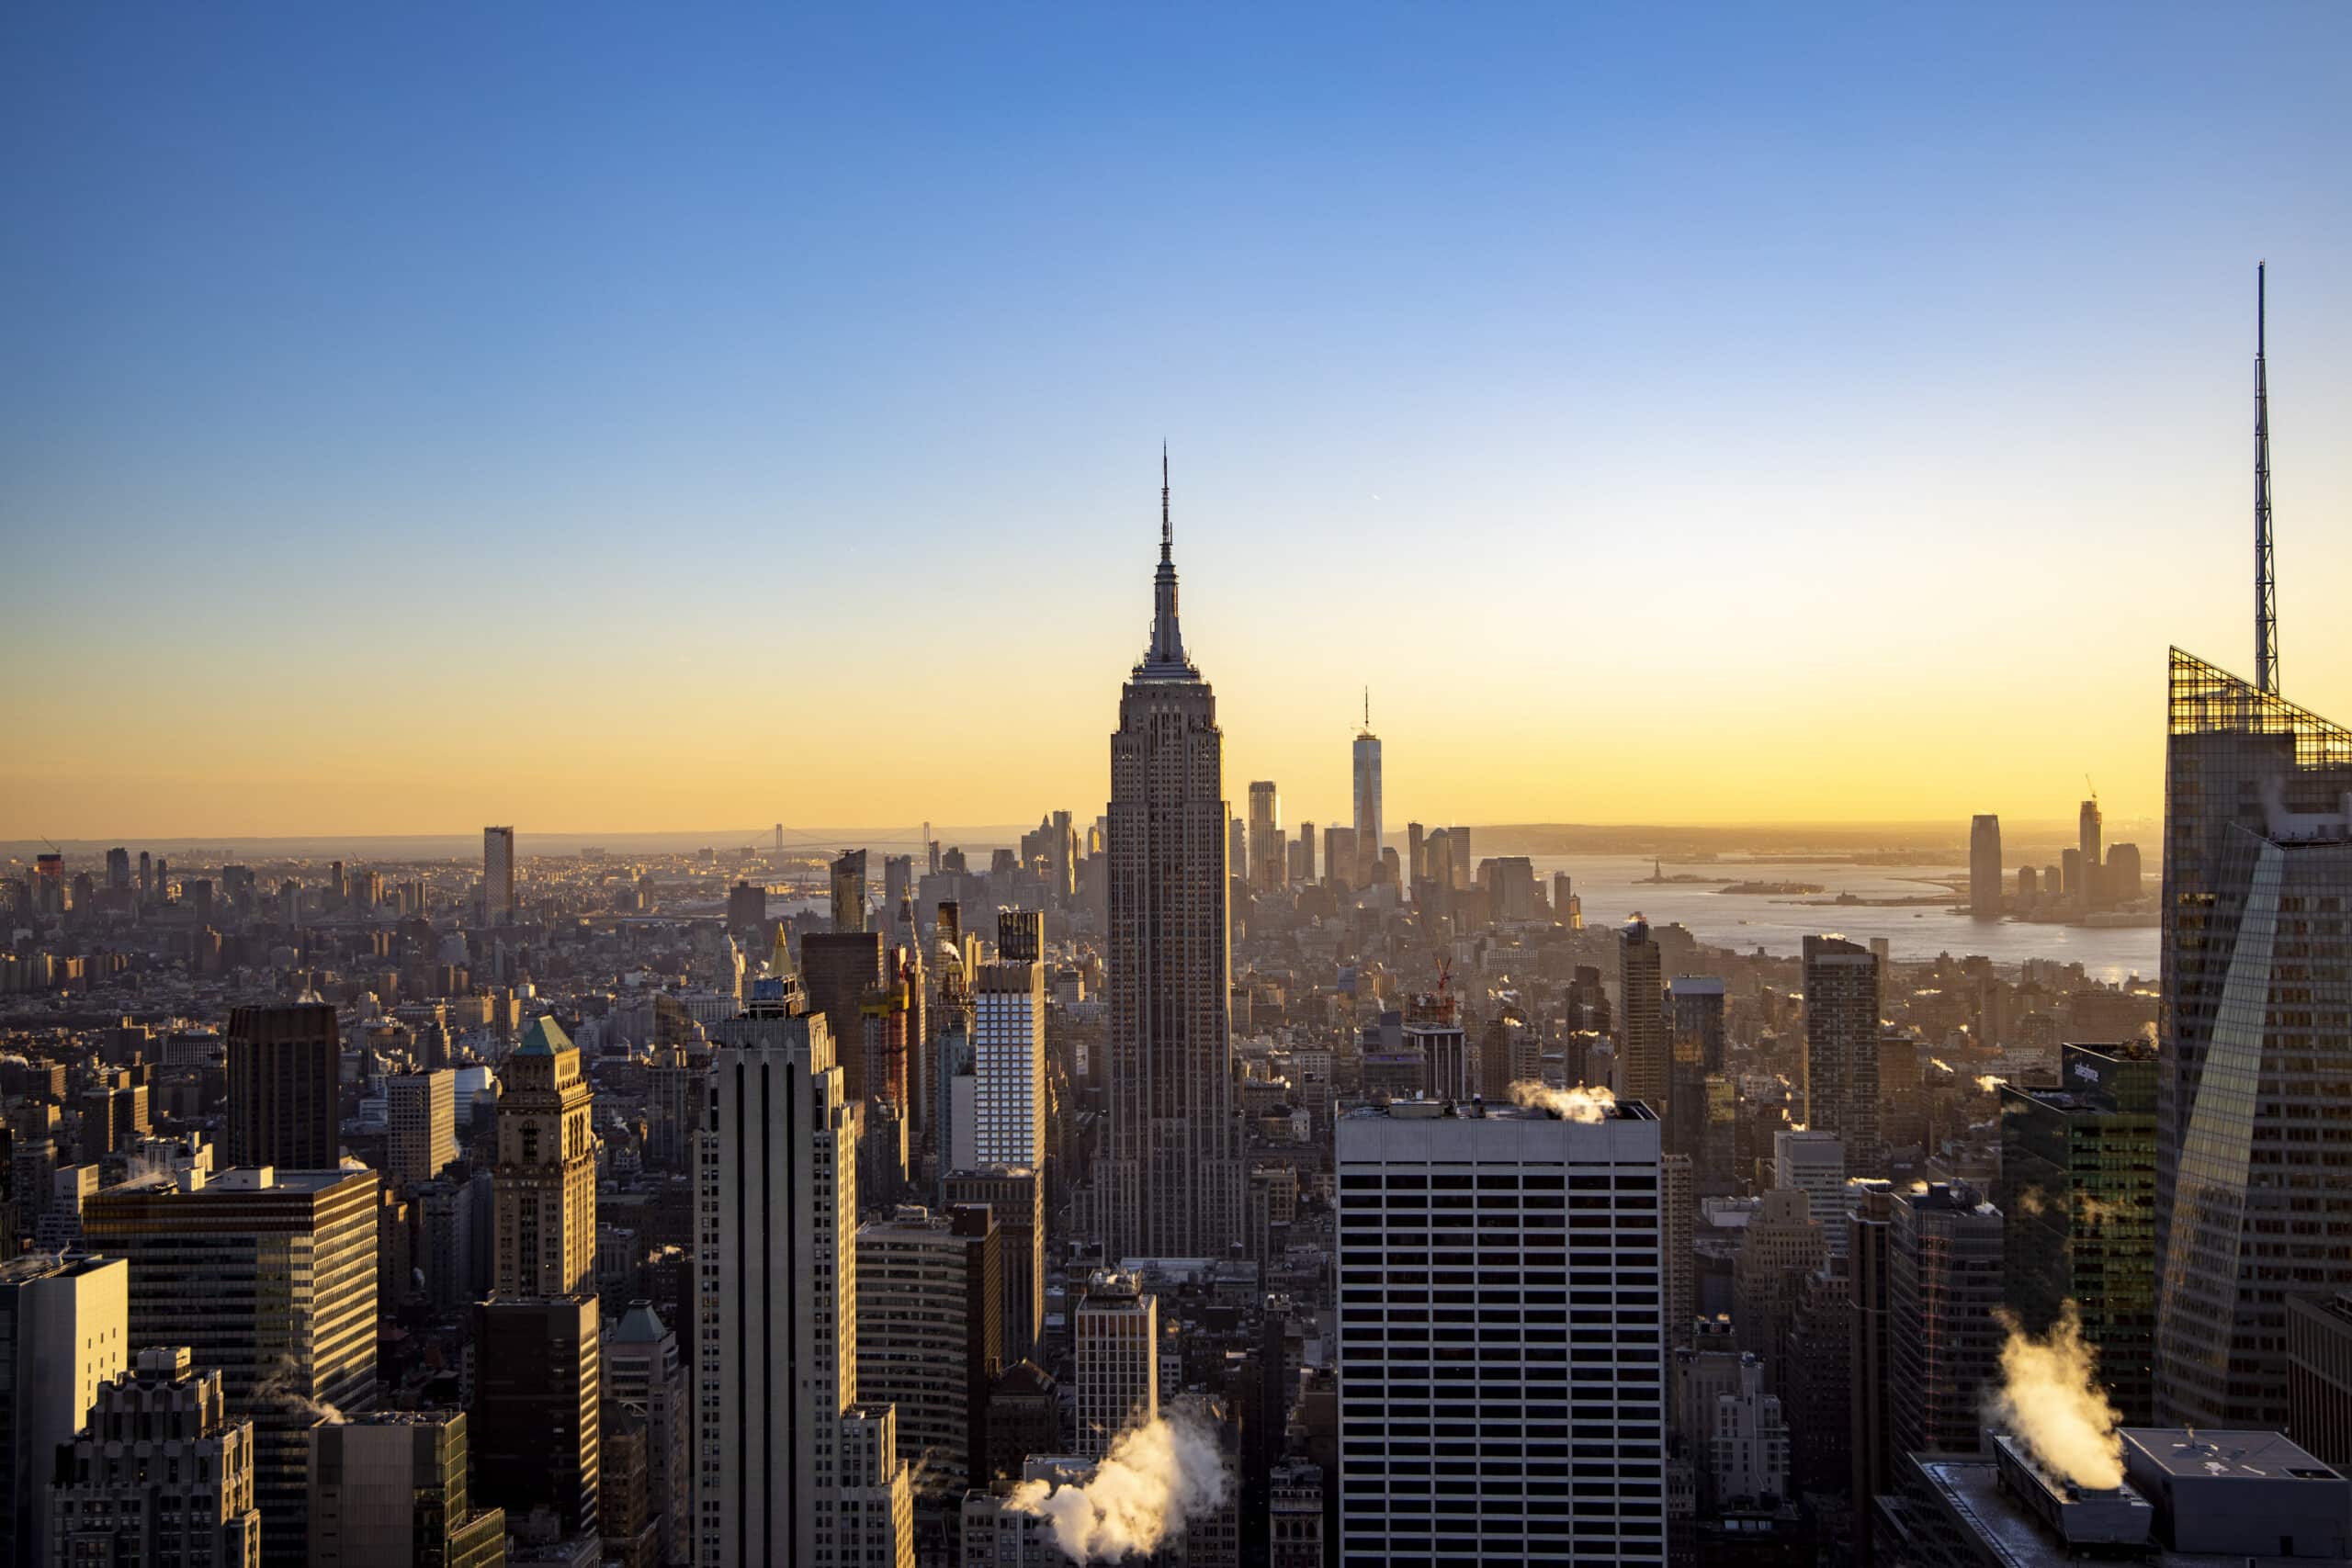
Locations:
(1671, 961)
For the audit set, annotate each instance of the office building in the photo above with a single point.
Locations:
(497, 876)
(1733, 1424)
(1366, 795)
(421, 1117)
(269, 1277)
(1117, 1328)
(1015, 1196)
(1340, 868)
(780, 1439)
(1944, 1275)
(1984, 868)
(1008, 1066)
(546, 1170)
(1170, 1183)
(837, 971)
(1695, 1018)
(1815, 1164)
(1642, 1058)
(283, 1109)
(392, 1490)
(1841, 1047)
(534, 1422)
(1870, 1234)
(643, 1371)
(1269, 850)
(64, 1334)
(1302, 856)
(2254, 1106)
(1782, 1247)
(2094, 858)
(161, 1475)
(849, 892)
(2319, 1373)
(2078, 1196)
(930, 1338)
(1472, 1441)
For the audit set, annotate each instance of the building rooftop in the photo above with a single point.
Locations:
(545, 1038)
(2201, 1455)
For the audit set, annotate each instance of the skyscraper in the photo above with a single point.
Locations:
(931, 1338)
(642, 1369)
(1695, 1005)
(393, 1490)
(2094, 858)
(1508, 1487)
(1016, 1196)
(1269, 852)
(64, 1325)
(1367, 799)
(1642, 1048)
(849, 891)
(839, 970)
(546, 1170)
(1943, 1283)
(2253, 1117)
(497, 876)
(1117, 1336)
(536, 1419)
(1009, 1064)
(421, 1117)
(1171, 1185)
(1984, 868)
(1841, 1044)
(283, 1065)
(163, 1476)
(780, 1438)
(269, 1276)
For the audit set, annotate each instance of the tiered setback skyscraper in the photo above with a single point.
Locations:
(1536, 1213)
(1171, 1186)
(1841, 999)
(546, 1170)
(2254, 1115)
(1984, 868)
(793, 1471)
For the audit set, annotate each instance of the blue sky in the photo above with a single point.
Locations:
(1569, 374)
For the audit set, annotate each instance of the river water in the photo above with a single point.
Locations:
(1611, 889)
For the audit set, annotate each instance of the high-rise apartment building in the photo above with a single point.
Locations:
(1641, 1056)
(64, 1334)
(1117, 1333)
(849, 891)
(268, 1276)
(161, 1475)
(1367, 803)
(1269, 850)
(421, 1119)
(1984, 886)
(1171, 1183)
(784, 1450)
(1943, 1276)
(2077, 1197)
(1841, 1044)
(393, 1490)
(1015, 1195)
(283, 1066)
(497, 876)
(1008, 1066)
(2254, 1113)
(930, 1338)
(1465, 1435)
(546, 1170)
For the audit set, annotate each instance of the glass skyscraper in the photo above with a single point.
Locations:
(2254, 1174)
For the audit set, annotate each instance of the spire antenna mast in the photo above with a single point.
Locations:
(2266, 565)
(1166, 532)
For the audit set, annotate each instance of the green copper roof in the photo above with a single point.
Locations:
(547, 1037)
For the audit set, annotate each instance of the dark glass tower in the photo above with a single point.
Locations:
(1172, 1187)
(2255, 1098)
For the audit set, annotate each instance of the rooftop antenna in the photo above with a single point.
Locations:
(2265, 566)
(1167, 533)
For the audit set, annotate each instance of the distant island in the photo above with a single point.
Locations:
(1778, 889)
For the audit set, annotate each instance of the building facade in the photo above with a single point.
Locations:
(546, 1170)
(1841, 1047)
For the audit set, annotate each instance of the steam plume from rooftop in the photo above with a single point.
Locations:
(1156, 1478)
(1578, 1104)
(2050, 1398)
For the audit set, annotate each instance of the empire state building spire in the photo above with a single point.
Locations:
(1165, 660)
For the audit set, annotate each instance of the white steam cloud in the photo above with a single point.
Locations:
(2050, 1399)
(1989, 1083)
(1578, 1104)
(1156, 1478)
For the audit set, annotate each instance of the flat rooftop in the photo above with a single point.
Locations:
(2269, 1456)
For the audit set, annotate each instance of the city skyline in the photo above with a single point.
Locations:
(1653, 358)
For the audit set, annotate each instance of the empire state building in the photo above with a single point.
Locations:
(1171, 1186)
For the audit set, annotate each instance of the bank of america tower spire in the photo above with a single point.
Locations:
(1171, 1186)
